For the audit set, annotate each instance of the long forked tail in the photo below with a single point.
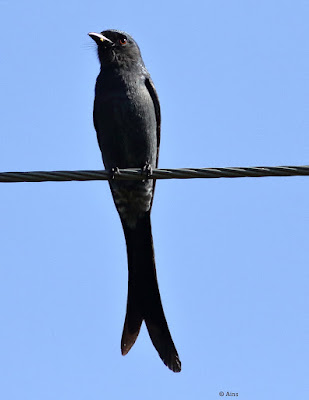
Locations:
(144, 301)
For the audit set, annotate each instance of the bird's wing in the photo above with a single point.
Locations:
(154, 96)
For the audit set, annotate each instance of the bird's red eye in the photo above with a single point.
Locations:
(123, 41)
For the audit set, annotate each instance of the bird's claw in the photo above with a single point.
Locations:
(147, 170)
(115, 172)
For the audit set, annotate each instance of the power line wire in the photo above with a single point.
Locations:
(138, 174)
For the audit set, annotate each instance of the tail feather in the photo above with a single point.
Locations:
(132, 324)
(144, 301)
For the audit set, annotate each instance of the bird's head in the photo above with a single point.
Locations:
(116, 47)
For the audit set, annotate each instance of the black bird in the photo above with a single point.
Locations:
(127, 121)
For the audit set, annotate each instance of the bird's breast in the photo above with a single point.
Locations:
(125, 122)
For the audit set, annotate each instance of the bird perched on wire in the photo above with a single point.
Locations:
(127, 121)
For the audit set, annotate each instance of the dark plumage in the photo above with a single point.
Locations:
(127, 120)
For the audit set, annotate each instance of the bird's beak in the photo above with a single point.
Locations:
(98, 37)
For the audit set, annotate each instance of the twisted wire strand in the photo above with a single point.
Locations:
(139, 174)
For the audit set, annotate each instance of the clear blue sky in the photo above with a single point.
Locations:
(232, 255)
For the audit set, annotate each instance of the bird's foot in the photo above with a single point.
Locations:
(147, 170)
(115, 172)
